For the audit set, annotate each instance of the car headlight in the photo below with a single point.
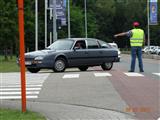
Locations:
(119, 52)
(38, 58)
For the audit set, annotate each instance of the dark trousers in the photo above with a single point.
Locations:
(136, 51)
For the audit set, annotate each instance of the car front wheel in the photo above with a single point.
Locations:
(59, 65)
(33, 70)
(107, 66)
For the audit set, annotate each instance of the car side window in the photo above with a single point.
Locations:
(80, 44)
(92, 44)
(104, 44)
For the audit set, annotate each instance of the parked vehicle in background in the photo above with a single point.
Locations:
(158, 51)
(114, 45)
(153, 51)
(144, 49)
(150, 49)
(74, 52)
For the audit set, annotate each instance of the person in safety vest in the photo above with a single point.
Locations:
(137, 39)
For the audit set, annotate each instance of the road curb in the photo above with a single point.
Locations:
(53, 111)
(148, 56)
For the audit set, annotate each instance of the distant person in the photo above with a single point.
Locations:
(136, 42)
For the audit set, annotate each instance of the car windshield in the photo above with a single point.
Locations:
(61, 45)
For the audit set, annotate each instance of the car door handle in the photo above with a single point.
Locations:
(86, 52)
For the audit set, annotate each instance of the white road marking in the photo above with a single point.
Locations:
(13, 78)
(132, 74)
(19, 93)
(16, 97)
(156, 74)
(18, 83)
(71, 76)
(102, 74)
(18, 89)
(10, 85)
(18, 86)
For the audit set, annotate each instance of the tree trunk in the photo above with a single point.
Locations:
(11, 52)
(6, 54)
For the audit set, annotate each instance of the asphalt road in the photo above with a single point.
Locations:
(150, 66)
(76, 93)
(112, 90)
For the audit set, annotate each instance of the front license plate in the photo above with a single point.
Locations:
(28, 63)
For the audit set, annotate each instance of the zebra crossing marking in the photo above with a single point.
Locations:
(10, 85)
(17, 97)
(32, 78)
(18, 89)
(19, 93)
(102, 74)
(70, 76)
(17, 86)
(130, 74)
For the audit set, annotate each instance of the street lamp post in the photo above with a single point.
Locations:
(85, 6)
(36, 26)
(46, 2)
(148, 23)
(54, 21)
(51, 16)
(69, 26)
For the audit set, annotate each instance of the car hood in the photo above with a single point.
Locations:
(39, 53)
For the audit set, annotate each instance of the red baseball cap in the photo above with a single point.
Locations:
(136, 24)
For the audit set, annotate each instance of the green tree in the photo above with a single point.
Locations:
(8, 29)
(77, 24)
(105, 10)
(29, 27)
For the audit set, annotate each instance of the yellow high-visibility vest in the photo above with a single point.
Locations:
(137, 38)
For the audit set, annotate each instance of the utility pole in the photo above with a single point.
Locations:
(36, 26)
(85, 5)
(69, 26)
(54, 21)
(51, 16)
(148, 23)
(46, 4)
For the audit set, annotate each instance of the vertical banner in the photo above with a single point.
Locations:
(153, 12)
(60, 10)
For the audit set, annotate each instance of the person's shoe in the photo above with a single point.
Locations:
(141, 70)
(130, 71)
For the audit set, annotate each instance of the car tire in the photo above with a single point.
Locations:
(83, 68)
(33, 70)
(107, 66)
(59, 65)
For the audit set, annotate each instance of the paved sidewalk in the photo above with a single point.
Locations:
(54, 111)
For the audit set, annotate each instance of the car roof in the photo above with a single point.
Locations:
(79, 39)
(112, 43)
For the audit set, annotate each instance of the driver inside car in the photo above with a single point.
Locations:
(78, 45)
